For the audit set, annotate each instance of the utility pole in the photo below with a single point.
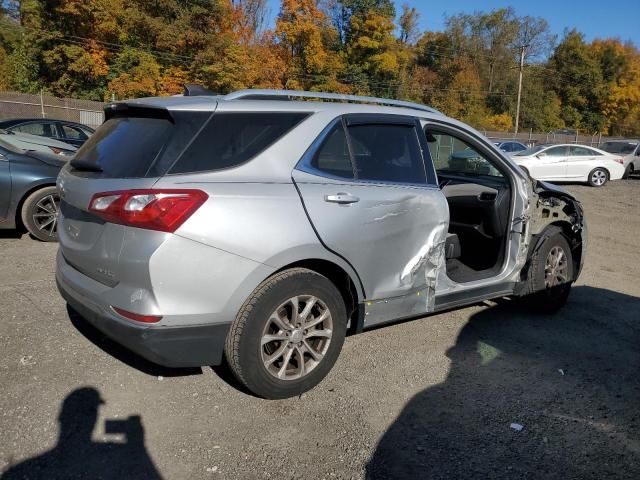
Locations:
(522, 49)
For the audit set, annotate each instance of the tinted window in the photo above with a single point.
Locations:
(73, 133)
(580, 152)
(517, 147)
(556, 152)
(388, 153)
(333, 156)
(40, 129)
(125, 147)
(454, 156)
(230, 139)
(623, 148)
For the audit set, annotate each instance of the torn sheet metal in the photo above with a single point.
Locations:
(421, 272)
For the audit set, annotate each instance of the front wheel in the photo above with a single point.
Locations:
(287, 335)
(627, 172)
(40, 214)
(598, 177)
(550, 274)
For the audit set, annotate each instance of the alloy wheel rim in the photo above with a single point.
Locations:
(556, 268)
(599, 177)
(296, 337)
(45, 214)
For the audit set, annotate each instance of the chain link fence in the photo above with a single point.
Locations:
(17, 105)
(530, 139)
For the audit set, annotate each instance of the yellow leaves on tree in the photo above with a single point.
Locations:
(374, 46)
(300, 29)
(139, 76)
(620, 64)
(501, 122)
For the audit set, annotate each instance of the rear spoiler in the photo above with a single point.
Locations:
(124, 109)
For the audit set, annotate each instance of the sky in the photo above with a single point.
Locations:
(594, 18)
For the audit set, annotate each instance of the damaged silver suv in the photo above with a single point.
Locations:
(262, 226)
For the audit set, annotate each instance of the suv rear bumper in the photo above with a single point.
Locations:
(182, 346)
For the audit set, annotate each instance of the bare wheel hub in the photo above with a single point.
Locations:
(297, 336)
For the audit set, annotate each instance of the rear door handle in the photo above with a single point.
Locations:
(342, 198)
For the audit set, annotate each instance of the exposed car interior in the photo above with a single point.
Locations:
(478, 195)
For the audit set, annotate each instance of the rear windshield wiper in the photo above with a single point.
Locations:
(79, 164)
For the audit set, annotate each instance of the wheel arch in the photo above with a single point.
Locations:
(23, 197)
(349, 287)
(566, 229)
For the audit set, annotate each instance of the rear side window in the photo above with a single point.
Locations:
(388, 153)
(230, 139)
(582, 152)
(333, 156)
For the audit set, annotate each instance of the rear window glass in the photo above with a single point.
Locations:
(125, 146)
(230, 139)
(623, 148)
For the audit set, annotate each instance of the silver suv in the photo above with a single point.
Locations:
(261, 228)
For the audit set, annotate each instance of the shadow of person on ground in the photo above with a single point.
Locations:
(76, 455)
(570, 379)
(123, 354)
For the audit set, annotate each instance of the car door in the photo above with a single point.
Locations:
(5, 183)
(550, 164)
(581, 161)
(374, 202)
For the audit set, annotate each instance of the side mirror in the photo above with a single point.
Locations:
(541, 155)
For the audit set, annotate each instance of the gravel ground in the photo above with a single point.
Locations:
(431, 398)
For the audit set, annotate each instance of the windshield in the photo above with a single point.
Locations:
(624, 148)
(530, 151)
(7, 145)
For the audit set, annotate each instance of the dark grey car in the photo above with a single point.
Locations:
(28, 197)
(73, 133)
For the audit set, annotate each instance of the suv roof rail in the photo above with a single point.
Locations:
(259, 94)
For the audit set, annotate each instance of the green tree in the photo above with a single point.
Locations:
(579, 84)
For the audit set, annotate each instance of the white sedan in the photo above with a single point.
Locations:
(570, 163)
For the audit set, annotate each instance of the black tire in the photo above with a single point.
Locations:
(243, 348)
(544, 298)
(598, 177)
(627, 172)
(39, 214)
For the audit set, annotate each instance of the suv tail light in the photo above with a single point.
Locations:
(162, 210)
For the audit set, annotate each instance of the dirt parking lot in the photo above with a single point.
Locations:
(431, 398)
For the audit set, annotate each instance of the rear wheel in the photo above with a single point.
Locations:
(287, 335)
(550, 274)
(40, 214)
(598, 177)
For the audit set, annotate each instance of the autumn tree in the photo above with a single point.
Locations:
(304, 33)
(577, 80)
